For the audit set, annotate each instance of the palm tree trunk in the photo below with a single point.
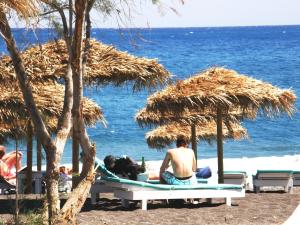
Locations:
(75, 159)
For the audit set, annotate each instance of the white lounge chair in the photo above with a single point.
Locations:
(100, 185)
(296, 177)
(273, 178)
(137, 190)
(236, 177)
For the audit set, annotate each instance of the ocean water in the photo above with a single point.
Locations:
(269, 53)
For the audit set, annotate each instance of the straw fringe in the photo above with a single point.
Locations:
(147, 118)
(165, 135)
(49, 100)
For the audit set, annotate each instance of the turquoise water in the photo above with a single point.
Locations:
(271, 54)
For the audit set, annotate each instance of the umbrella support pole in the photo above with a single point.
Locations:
(38, 154)
(220, 147)
(28, 187)
(194, 141)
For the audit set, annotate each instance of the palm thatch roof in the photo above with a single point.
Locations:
(106, 65)
(165, 135)
(224, 89)
(149, 118)
(25, 8)
(49, 100)
(8, 131)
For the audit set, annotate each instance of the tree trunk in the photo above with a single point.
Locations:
(52, 187)
(28, 186)
(76, 63)
(79, 194)
(75, 203)
(54, 148)
(75, 160)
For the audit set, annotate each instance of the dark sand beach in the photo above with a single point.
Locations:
(263, 208)
(256, 209)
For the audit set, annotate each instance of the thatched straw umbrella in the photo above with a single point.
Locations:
(190, 118)
(105, 65)
(221, 90)
(165, 135)
(15, 121)
(49, 100)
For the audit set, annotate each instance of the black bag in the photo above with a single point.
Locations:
(125, 166)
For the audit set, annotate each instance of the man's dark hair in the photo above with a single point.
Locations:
(182, 141)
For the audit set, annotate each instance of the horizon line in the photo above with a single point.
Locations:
(221, 26)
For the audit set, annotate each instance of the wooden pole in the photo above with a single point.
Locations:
(75, 160)
(28, 187)
(38, 154)
(220, 146)
(194, 140)
(17, 189)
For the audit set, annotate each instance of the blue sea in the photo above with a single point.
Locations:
(270, 53)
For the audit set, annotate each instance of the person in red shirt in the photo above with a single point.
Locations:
(7, 162)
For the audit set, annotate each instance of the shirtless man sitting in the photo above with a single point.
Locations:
(183, 163)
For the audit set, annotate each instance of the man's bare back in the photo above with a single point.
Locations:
(182, 161)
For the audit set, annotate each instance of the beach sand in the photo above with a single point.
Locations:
(269, 207)
(265, 208)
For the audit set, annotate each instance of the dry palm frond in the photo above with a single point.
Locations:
(188, 117)
(105, 65)
(11, 131)
(225, 89)
(49, 100)
(24, 8)
(165, 135)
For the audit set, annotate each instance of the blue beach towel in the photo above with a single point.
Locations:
(203, 172)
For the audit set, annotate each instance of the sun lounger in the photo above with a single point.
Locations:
(236, 177)
(273, 178)
(143, 191)
(5, 186)
(126, 189)
(100, 185)
(296, 177)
